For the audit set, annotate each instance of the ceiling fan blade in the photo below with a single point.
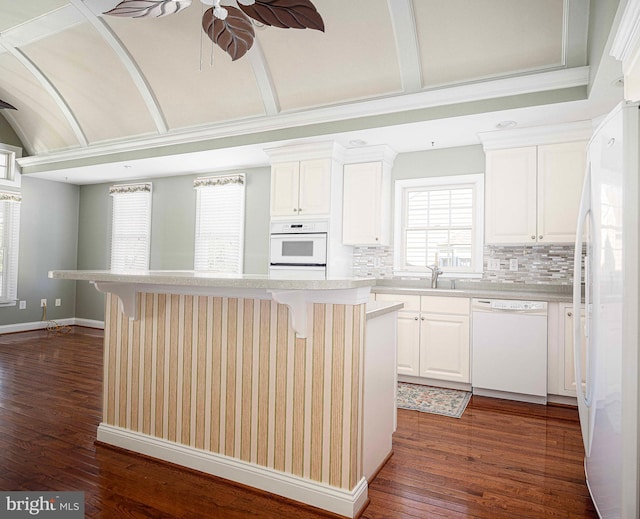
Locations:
(6, 105)
(234, 34)
(286, 14)
(148, 8)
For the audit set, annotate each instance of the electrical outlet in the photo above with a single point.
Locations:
(23, 305)
(58, 302)
(513, 264)
(43, 302)
(493, 264)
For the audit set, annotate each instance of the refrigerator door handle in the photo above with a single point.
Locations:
(583, 215)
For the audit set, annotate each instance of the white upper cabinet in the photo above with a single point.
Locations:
(285, 181)
(510, 187)
(533, 193)
(366, 202)
(561, 170)
(301, 188)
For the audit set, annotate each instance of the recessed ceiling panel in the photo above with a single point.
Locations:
(462, 40)
(94, 83)
(355, 58)
(15, 12)
(38, 120)
(176, 58)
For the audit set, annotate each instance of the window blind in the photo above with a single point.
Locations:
(219, 235)
(9, 245)
(131, 226)
(439, 227)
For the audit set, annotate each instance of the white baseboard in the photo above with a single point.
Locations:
(460, 386)
(89, 323)
(342, 502)
(41, 325)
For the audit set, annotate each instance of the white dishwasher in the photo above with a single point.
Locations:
(509, 343)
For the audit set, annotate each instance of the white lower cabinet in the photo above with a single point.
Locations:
(562, 379)
(433, 337)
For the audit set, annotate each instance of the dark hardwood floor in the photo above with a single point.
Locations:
(501, 460)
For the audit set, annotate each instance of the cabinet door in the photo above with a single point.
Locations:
(444, 347)
(409, 343)
(569, 370)
(315, 187)
(408, 332)
(284, 188)
(561, 169)
(362, 200)
(510, 186)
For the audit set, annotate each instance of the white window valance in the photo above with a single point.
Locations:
(6, 196)
(123, 189)
(218, 181)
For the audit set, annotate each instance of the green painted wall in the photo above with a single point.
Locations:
(172, 230)
(48, 241)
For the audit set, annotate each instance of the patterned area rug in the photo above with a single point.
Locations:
(428, 399)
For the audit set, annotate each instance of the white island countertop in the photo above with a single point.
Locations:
(190, 278)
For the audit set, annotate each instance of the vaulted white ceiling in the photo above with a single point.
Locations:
(89, 85)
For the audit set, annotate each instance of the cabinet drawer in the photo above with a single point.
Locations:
(445, 305)
(410, 302)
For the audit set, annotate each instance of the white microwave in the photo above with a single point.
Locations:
(295, 244)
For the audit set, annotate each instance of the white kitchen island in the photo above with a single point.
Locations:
(267, 382)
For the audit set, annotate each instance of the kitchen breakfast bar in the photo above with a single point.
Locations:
(287, 386)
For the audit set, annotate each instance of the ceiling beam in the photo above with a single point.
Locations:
(49, 88)
(407, 48)
(263, 79)
(129, 63)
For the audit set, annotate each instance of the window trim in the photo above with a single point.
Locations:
(15, 178)
(477, 180)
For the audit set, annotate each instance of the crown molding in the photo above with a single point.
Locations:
(506, 87)
(627, 38)
(381, 153)
(309, 151)
(537, 135)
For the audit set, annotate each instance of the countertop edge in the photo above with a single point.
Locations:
(380, 308)
(192, 279)
(550, 297)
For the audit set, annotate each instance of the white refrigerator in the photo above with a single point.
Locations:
(606, 260)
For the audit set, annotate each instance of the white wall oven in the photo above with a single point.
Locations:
(298, 249)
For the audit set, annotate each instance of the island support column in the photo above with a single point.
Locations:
(224, 386)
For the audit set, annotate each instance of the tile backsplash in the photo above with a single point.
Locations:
(549, 264)
(536, 264)
(374, 262)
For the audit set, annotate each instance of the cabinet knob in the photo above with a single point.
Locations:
(299, 209)
(540, 237)
(377, 238)
(422, 318)
(415, 318)
(533, 237)
(295, 210)
(569, 314)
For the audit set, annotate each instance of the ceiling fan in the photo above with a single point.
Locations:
(229, 27)
(3, 104)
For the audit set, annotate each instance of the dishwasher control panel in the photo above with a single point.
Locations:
(507, 304)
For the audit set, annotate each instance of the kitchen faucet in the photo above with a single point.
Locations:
(435, 272)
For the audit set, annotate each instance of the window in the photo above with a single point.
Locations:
(9, 175)
(439, 221)
(9, 235)
(219, 240)
(131, 226)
